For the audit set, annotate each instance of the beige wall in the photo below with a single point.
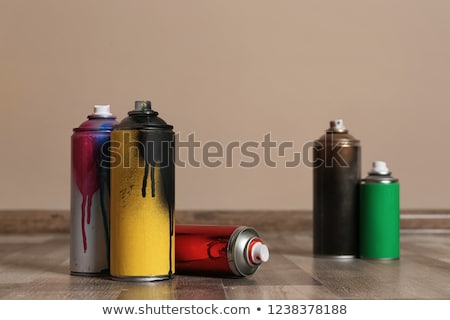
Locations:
(228, 70)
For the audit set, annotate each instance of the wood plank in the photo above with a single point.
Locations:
(414, 276)
(37, 267)
(58, 221)
(277, 292)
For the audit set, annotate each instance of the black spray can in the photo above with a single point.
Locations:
(336, 177)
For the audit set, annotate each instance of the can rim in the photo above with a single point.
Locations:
(141, 278)
(238, 251)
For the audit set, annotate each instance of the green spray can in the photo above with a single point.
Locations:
(379, 214)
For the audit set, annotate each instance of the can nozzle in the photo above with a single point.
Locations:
(142, 105)
(102, 110)
(379, 167)
(337, 126)
(258, 252)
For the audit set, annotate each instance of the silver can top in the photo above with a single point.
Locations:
(379, 173)
(246, 251)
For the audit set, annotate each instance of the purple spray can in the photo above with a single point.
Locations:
(89, 205)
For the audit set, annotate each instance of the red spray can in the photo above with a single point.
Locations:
(236, 251)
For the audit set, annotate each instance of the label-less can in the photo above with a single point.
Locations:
(142, 197)
(89, 206)
(380, 214)
(236, 251)
(336, 177)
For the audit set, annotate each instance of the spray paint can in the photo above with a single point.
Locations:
(142, 197)
(89, 206)
(380, 214)
(235, 251)
(336, 177)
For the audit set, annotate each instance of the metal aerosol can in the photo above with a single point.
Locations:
(236, 251)
(142, 197)
(380, 214)
(89, 206)
(336, 177)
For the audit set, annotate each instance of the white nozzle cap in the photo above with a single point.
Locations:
(102, 110)
(259, 253)
(379, 167)
(339, 124)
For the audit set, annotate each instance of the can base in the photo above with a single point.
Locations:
(90, 274)
(334, 256)
(141, 278)
(382, 259)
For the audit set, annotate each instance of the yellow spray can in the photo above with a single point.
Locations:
(142, 196)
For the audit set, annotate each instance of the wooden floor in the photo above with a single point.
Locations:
(37, 267)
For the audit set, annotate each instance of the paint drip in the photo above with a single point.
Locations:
(143, 197)
(90, 193)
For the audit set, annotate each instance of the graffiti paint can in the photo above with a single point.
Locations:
(336, 177)
(380, 214)
(142, 197)
(89, 206)
(235, 251)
